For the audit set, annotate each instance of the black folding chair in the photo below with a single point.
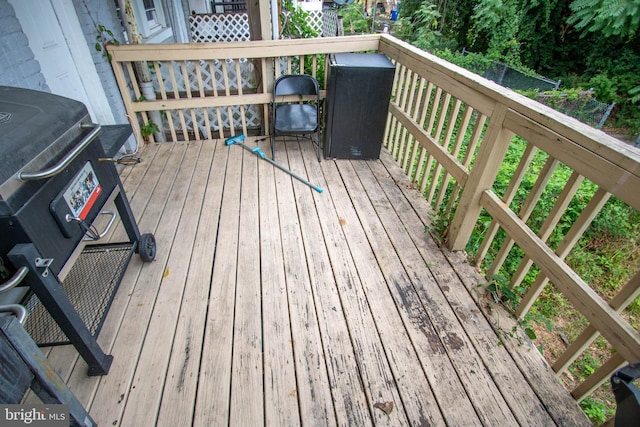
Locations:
(296, 109)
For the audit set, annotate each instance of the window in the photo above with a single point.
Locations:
(152, 23)
(150, 12)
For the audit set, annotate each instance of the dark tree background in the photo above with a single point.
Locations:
(586, 43)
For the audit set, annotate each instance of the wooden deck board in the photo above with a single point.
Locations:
(423, 388)
(313, 391)
(528, 384)
(350, 401)
(417, 294)
(247, 405)
(280, 391)
(150, 375)
(497, 360)
(269, 303)
(179, 394)
(162, 214)
(213, 393)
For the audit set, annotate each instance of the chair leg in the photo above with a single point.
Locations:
(273, 147)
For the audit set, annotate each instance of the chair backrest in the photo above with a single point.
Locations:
(296, 84)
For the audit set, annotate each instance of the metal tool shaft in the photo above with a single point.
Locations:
(239, 140)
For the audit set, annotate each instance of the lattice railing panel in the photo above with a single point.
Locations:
(229, 27)
(325, 23)
(211, 72)
(232, 27)
(210, 118)
(226, 28)
(216, 77)
(330, 24)
(315, 21)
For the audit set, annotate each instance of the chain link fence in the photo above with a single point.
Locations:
(584, 108)
(517, 80)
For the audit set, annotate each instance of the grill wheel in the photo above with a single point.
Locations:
(147, 247)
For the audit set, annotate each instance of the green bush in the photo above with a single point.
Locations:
(597, 411)
(421, 27)
(603, 88)
(471, 61)
(295, 23)
(354, 20)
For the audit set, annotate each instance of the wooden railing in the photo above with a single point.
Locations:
(227, 84)
(449, 129)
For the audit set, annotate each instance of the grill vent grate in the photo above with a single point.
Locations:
(90, 286)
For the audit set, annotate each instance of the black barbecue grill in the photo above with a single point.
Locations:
(53, 186)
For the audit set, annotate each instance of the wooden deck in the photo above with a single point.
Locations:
(269, 303)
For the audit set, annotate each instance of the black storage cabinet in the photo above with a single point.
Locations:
(358, 94)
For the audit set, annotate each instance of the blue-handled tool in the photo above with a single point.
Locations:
(238, 140)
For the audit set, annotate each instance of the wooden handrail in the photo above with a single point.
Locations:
(252, 49)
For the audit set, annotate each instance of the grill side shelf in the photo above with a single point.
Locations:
(113, 138)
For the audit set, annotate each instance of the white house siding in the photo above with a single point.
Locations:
(103, 13)
(77, 20)
(18, 66)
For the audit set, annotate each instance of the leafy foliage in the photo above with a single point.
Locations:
(498, 23)
(596, 410)
(353, 19)
(103, 38)
(607, 17)
(471, 61)
(295, 22)
(421, 28)
(149, 129)
(635, 95)
(585, 43)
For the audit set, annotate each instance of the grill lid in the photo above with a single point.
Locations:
(30, 121)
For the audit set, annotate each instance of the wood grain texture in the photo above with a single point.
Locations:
(272, 304)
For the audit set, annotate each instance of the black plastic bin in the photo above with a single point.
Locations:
(358, 94)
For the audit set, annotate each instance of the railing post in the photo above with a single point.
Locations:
(485, 169)
(605, 116)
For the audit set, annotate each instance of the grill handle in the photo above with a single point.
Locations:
(17, 310)
(106, 229)
(17, 278)
(63, 163)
